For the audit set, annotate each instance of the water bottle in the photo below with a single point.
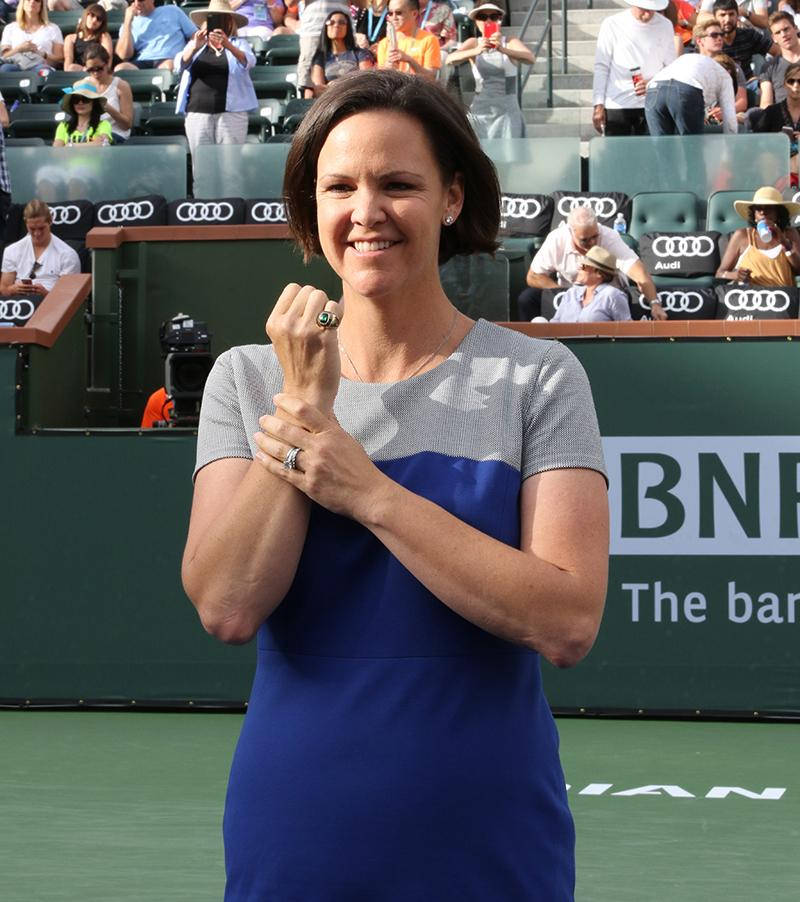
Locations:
(620, 225)
(260, 11)
(764, 231)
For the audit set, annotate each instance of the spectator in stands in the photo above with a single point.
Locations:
(558, 260)
(495, 111)
(754, 12)
(685, 21)
(84, 106)
(92, 30)
(634, 39)
(784, 116)
(742, 43)
(767, 252)
(216, 90)
(413, 49)
(436, 16)
(594, 298)
(784, 33)
(337, 54)
(679, 95)
(34, 264)
(792, 7)
(117, 92)
(151, 36)
(370, 19)
(264, 18)
(5, 182)
(312, 22)
(31, 42)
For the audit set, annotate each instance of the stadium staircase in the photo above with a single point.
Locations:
(571, 113)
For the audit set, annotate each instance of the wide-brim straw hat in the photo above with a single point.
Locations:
(766, 197)
(82, 90)
(655, 5)
(601, 259)
(485, 8)
(221, 7)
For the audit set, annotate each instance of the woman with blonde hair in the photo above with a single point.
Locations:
(32, 41)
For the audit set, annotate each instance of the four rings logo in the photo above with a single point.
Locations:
(19, 308)
(125, 212)
(750, 300)
(677, 301)
(683, 246)
(199, 211)
(604, 207)
(65, 214)
(558, 297)
(519, 208)
(265, 211)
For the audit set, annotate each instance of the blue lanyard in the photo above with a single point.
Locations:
(427, 13)
(372, 33)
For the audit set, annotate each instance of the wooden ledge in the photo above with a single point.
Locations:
(709, 328)
(52, 315)
(107, 237)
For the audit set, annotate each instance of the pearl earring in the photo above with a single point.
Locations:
(449, 220)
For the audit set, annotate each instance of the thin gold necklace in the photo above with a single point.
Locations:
(425, 362)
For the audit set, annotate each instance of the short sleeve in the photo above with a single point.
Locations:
(432, 57)
(318, 59)
(10, 259)
(6, 39)
(544, 261)
(560, 429)
(54, 33)
(221, 432)
(364, 56)
(61, 132)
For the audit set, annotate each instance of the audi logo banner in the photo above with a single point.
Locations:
(679, 302)
(225, 211)
(525, 215)
(757, 302)
(150, 210)
(605, 204)
(16, 311)
(265, 211)
(681, 254)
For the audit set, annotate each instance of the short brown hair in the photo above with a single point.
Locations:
(779, 17)
(36, 209)
(452, 141)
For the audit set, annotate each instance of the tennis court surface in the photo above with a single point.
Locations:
(127, 806)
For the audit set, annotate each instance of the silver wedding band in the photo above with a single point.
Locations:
(290, 461)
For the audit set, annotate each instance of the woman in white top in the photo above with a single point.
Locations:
(118, 95)
(495, 112)
(31, 36)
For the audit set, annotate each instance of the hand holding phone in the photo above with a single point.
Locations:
(490, 29)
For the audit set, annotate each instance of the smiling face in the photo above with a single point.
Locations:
(381, 203)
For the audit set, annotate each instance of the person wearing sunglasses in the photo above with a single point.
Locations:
(784, 116)
(117, 92)
(593, 298)
(84, 123)
(679, 95)
(33, 264)
(338, 54)
(407, 47)
(494, 59)
(312, 25)
(92, 29)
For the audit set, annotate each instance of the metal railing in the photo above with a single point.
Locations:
(547, 36)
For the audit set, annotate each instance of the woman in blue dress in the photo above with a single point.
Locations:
(406, 508)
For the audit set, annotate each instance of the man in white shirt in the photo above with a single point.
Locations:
(678, 97)
(34, 264)
(632, 47)
(558, 261)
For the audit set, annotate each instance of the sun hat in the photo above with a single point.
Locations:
(220, 7)
(766, 197)
(82, 89)
(655, 5)
(601, 259)
(485, 8)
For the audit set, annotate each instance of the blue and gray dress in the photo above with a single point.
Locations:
(392, 751)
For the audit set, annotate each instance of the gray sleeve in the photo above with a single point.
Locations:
(221, 432)
(561, 428)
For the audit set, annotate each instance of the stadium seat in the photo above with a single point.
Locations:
(663, 211)
(534, 165)
(37, 120)
(282, 49)
(258, 46)
(52, 87)
(271, 115)
(161, 119)
(275, 81)
(178, 140)
(67, 20)
(114, 22)
(21, 86)
(720, 216)
(294, 113)
(148, 85)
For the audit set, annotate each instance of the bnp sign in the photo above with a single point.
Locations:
(704, 495)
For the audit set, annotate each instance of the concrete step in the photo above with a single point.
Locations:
(562, 98)
(572, 81)
(576, 65)
(574, 17)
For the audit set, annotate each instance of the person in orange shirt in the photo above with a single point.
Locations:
(417, 50)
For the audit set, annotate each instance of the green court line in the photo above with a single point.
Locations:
(117, 807)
